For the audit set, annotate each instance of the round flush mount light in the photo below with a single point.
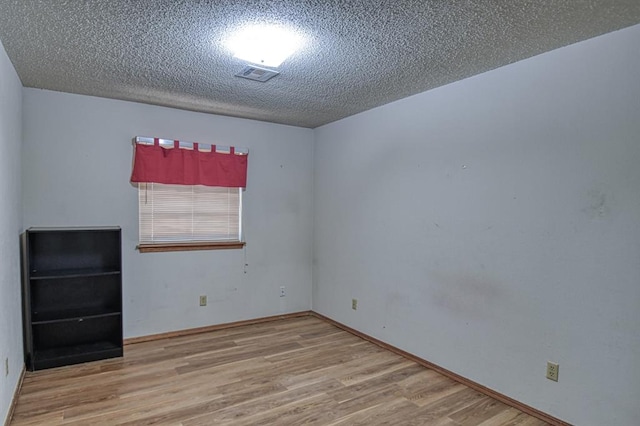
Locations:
(267, 45)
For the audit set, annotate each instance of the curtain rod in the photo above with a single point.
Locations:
(146, 140)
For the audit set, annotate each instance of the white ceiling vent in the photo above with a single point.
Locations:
(257, 74)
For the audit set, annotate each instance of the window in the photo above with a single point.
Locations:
(189, 194)
(189, 217)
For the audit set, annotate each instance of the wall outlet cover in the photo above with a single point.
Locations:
(552, 371)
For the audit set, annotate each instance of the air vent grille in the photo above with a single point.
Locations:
(257, 74)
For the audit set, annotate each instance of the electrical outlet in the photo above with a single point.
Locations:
(6, 367)
(203, 300)
(552, 371)
(283, 291)
(354, 304)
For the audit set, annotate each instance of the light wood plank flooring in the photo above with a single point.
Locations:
(288, 372)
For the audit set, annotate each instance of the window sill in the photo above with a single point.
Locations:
(162, 247)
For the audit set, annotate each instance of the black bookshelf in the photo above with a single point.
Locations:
(72, 295)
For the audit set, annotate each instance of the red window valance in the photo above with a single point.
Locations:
(180, 166)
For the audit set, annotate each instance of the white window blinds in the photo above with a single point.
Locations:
(187, 213)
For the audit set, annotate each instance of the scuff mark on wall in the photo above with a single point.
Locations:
(468, 295)
(598, 204)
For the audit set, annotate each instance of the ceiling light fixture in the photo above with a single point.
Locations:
(266, 45)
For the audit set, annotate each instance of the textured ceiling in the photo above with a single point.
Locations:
(358, 54)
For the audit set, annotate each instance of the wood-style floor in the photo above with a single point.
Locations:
(288, 372)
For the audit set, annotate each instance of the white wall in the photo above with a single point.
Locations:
(494, 224)
(76, 167)
(10, 229)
